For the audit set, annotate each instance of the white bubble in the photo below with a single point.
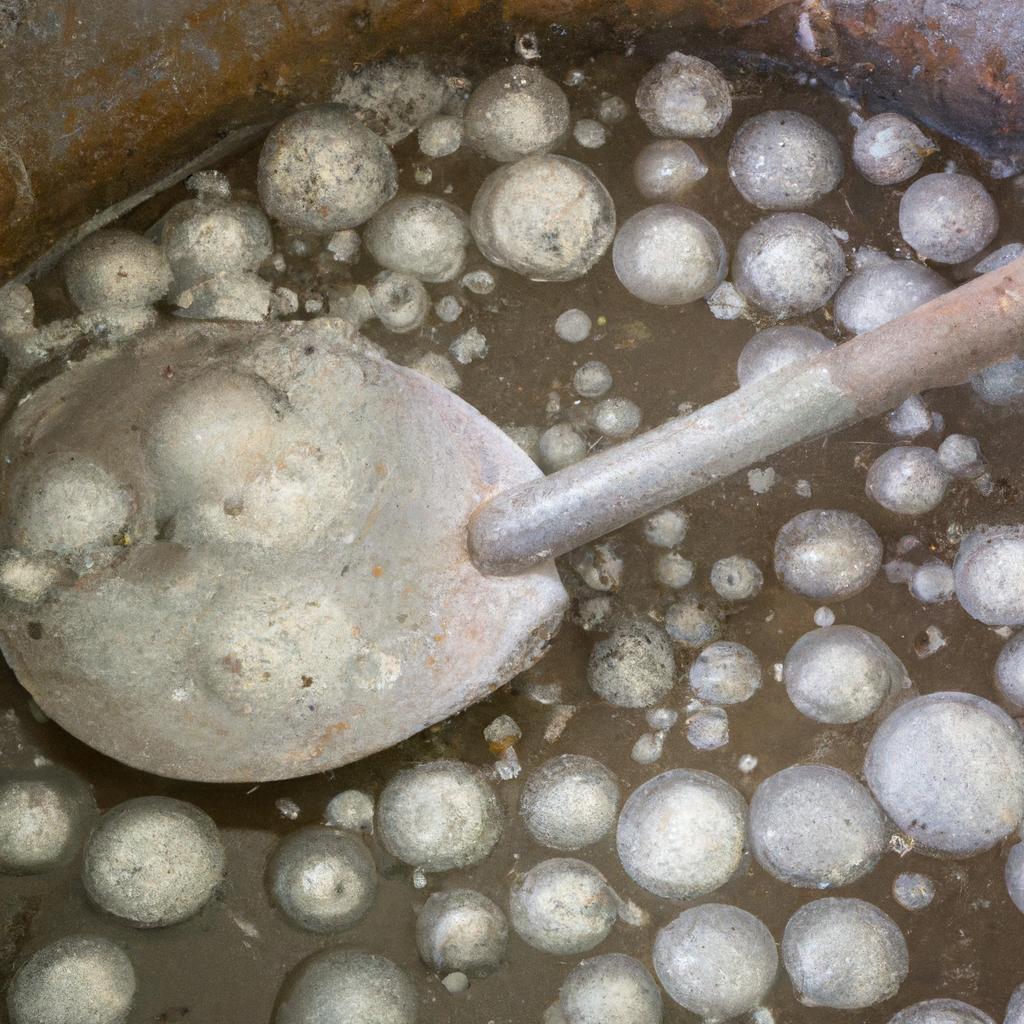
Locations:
(562, 906)
(784, 160)
(827, 555)
(889, 148)
(907, 480)
(634, 666)
(844, 954)
(684, 97)
(776, 347)
(788, 264)
(725, 673)
(948, 218)
(573, 326)
(610, 989)
(439, 815)
(516, 112)
(716, 961)
(841, 674)
(669, 255)
(948, 768)
(682, 834)
(988, 575)
(816, 827)
(570, 802)
(913, 891)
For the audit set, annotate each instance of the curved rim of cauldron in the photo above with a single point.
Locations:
(97, 101)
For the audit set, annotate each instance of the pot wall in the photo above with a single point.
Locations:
(98, 99)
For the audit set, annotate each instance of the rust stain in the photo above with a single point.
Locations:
(996, 80)
(912, 47)
(325, 738)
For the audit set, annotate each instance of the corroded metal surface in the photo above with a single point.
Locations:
(956, 65)
(99, 99)
(290, 589)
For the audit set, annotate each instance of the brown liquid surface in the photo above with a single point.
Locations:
(227, 964)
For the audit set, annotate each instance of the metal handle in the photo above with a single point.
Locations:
(937, 345)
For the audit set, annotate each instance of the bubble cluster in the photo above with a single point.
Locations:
(229, 463)
(215, 244)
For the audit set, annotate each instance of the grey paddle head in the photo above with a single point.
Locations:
(235, 553)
